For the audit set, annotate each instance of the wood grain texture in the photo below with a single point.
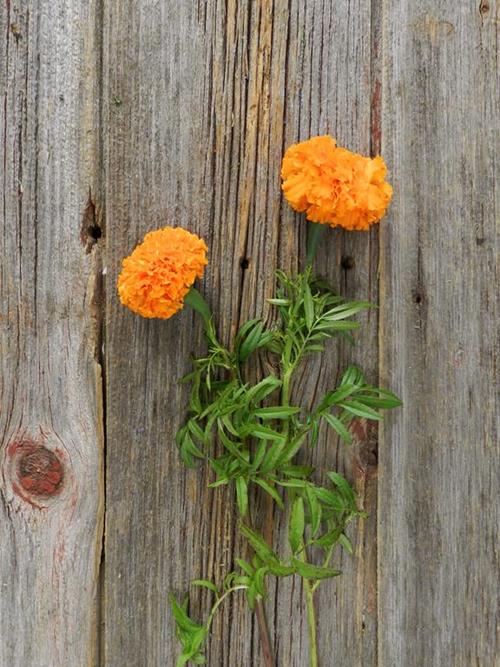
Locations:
(195, 137)
(50, 382)
(438, 517)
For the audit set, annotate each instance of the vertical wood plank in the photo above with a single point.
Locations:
(200, 100)
(50, 382)
(438, 588)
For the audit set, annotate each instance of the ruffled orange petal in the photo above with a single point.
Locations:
(333, 185)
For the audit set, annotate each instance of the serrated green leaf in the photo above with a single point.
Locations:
(246, 567)
(272, 456)
(309, 571)
(308, 306)
(259, 455)
(296, 525)
(278, 412)
(337, 396)
(278, 302)
(360, 410)
(264, 432)
(386, 403)
(281, 570)
(338, 426)
(258, 544)
(297, 471)
(259, 391)
(314, 510)
(329, 498)
(252, 342)
(343, 486)
(271, 491)
(181, 617)
(205, 583)
(346, 543)
(242, 495)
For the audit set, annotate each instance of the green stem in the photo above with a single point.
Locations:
(311, 615)
(311, 619)
(314, 235)
(219, 602)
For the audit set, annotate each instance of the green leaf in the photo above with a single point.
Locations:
(386, 402)
(271, 491)
(296, 525)
(259, 582)
(258, 544)
(297, 471)
(259, 391)
(308, 306)
(278, 302)
(360, 410)
(291, 448)
(242, 495)
(314, 510)
(278, 412)
(281, 570)
(252, 342)
(336, 397)
(346, 543)
(309, 571)
(181, 617)
(246, 567)
(194, 299)
(329, 539)
(329, 498)
(264, 432)
(198, 433)
(343, 486)
(189, 450)
(347, 309)
(338, 426)
(205, 583)
(353, 376)
(271, 458)
(259, 455)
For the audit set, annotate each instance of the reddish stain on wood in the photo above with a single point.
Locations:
(39, 471)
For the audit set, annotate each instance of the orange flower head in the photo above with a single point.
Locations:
(159, 273)
(334, 186)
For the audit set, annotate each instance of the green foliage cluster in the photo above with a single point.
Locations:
(250, 434)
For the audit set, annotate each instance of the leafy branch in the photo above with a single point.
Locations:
(259, 433)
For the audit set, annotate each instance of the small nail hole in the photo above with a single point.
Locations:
(244, 263)
(417, 298)
(95, 232)
(347, 262)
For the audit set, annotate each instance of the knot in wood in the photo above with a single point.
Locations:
(40, 472)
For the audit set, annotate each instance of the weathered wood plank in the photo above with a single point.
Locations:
(50, 386)
(200, 100)
(438, 594)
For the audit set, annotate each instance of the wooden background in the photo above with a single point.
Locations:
(121, 117)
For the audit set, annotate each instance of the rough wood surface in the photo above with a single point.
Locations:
(188, 106)
(438, 529)
(195, 137)
(50, 386)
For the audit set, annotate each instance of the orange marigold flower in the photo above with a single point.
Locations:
(159, 273)
(333, 185)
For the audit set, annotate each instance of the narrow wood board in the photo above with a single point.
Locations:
(51, 496)
(438, 509)
(200, 101)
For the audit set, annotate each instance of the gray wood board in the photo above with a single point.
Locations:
(438, 509)
(195, 137)
(51, 495)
